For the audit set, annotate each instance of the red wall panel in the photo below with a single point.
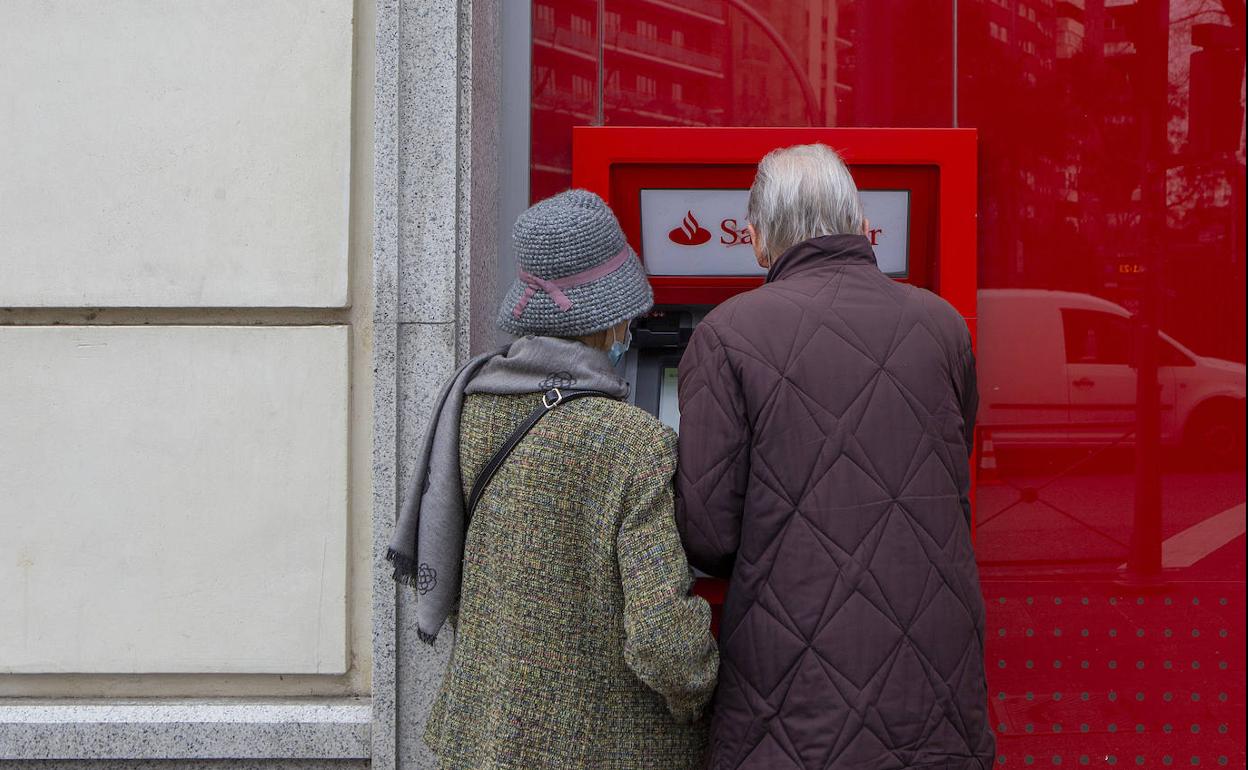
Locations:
(1111, 309)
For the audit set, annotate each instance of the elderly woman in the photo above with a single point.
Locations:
(577, 643)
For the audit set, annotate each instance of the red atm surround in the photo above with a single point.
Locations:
(936, 165)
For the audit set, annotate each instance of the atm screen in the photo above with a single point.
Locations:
(702, 232)
(652, 369)
(669, 406)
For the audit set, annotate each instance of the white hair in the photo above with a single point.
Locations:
(802, 192)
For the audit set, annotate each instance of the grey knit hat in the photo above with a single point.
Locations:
(577, 273)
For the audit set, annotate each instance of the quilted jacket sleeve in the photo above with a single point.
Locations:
(968, 394)
(668, 640)
(967, 388)
(714, 454)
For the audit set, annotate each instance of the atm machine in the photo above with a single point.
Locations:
(681, 193)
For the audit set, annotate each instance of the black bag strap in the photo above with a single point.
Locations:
(550, 400)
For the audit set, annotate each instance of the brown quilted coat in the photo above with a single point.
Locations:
(826, 421)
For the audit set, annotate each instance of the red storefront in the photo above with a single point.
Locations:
(1111, 308)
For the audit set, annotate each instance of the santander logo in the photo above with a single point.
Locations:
(690, 232)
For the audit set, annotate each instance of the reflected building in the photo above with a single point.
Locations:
(1110, 183)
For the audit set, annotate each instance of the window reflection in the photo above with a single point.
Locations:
(1112, 307)
(1095, 337)
(734, 62)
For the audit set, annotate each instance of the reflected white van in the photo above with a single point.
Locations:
(1055, 371)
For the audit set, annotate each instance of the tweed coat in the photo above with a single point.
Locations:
(577, 643)
(827, 419)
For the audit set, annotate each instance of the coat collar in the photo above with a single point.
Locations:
(824, 251)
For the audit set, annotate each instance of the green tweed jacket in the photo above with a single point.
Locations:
(577, 644)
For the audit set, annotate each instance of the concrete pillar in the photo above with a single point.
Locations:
(436, 174)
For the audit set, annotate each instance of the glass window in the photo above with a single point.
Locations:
(1094, 337)
(1110, 134)
(582, 87)
(582, 26)
(1172, 356)
(544, 16)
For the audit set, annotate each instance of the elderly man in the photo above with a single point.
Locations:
(826, 423)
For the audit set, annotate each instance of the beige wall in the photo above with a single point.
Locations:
(188, 154)
(175, 497)
(139, 246)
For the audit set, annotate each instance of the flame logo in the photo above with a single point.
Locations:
(690, 233)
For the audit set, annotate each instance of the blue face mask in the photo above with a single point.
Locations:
(618, 348)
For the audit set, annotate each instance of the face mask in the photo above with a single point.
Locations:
(618, 348)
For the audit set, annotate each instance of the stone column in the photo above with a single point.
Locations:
(436, 140)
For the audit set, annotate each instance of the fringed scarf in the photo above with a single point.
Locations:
(427, 549)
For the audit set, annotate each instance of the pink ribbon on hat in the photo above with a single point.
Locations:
(533, 284)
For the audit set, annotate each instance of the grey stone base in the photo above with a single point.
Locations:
(162, 730)
(184, 764)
